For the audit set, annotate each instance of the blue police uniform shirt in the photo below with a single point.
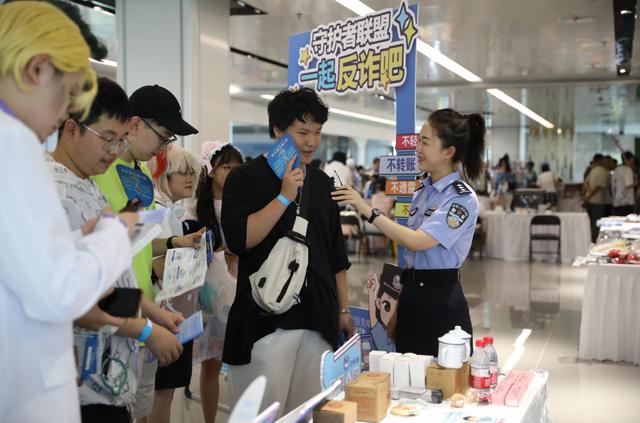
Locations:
(448, 212)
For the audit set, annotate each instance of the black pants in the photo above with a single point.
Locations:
(596, 211)
(622, 210)
(99, 413)
(430, 305)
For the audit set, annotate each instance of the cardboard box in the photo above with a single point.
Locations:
(449, 381)
(372, 392)
(466, 371)
(336, 412)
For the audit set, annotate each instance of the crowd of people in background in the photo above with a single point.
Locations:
(610, 188)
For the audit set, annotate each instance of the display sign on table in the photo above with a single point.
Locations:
(344, 364)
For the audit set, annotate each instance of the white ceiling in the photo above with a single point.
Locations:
(565, 66)
(511, 44)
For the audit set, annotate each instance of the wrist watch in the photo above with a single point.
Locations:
(374, 213)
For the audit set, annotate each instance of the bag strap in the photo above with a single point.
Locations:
(306, 194)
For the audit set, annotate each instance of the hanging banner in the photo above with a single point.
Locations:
(374, 52)
(401, 188)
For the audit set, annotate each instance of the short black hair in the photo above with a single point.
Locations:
(545, 167)
(290, 105)
(339, 156)
(98, 49)
(111, 101)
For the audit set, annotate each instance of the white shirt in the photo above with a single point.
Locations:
(622, 184)
(547, 181)
(344, 173)
(49, 276)
(82, 200)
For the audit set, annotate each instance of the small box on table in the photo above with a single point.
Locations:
(336, 412)
(372, 392)
(449, 381)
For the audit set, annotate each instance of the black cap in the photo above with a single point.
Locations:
(156, 102)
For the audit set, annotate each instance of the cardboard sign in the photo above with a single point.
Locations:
(280, 153)
(136, 185)
(399, 166)
(401, 188)
(406, 141)
(402, 210)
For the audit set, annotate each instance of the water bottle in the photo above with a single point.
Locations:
(480, 377)
(492, 355)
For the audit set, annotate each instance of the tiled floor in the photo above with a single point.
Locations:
(506, 298)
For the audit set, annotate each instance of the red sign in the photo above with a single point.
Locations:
(401, 188)
(407, 141)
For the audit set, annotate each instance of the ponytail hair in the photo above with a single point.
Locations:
(466, 133)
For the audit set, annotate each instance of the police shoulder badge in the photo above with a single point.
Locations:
(461, 188)
(456, 216)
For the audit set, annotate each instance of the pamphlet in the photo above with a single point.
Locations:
(184, 270)
(136, 185)
(281, 153)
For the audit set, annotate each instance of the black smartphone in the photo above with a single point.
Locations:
(122, 302)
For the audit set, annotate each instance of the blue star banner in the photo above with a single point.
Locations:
(375, 52)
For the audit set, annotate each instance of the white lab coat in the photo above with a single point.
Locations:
(49, 276)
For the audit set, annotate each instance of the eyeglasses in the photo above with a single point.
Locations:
(163, 141)
(111, 145)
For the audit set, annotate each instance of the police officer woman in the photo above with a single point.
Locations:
(440, 228)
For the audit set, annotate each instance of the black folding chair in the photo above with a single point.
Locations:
(552, 233)
(353, 220)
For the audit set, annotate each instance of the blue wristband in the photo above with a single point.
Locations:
(146, 331)
(283, 200)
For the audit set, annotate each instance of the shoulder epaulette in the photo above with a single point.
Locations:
(461, 188)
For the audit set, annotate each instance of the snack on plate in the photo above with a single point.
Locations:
(457, 400)
(406, 410)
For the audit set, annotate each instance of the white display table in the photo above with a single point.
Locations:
(610, 326)
(508, 236)
(534, 409)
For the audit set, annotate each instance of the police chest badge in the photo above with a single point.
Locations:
(456, 216)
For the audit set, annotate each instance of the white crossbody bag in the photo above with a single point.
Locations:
(276, 286)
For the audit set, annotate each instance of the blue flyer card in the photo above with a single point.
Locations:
(280, 153)
(136, 185)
